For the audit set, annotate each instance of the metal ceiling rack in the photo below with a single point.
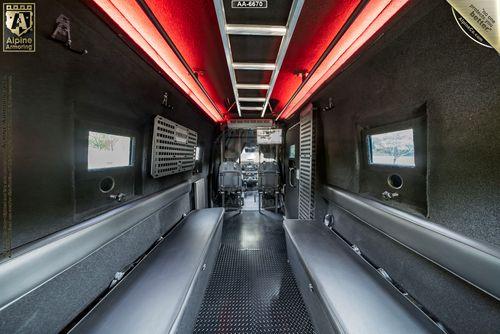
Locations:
(285, 32)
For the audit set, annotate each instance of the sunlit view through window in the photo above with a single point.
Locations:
(393, 148)
(107, 151)
(251, 154)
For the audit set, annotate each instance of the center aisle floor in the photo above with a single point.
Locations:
(252, 288)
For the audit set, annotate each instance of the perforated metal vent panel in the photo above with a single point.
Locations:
(307, 165)
(174, 148)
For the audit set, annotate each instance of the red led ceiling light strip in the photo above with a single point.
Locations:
(372, 18)
(145, 35)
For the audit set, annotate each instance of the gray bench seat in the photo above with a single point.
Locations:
(343, 292)
(163, 293)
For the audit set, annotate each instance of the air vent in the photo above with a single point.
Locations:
(174, 148)
(307, 165)
(249, 123)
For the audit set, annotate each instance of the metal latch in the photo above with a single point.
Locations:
(356, 249)
(387, 195)
(118, 276)
(329, 221)
(118, 197)
(384, 274)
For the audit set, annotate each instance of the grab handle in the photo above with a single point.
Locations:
(290, 178)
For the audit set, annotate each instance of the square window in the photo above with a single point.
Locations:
(291, 152)
(198, 154)
(108, 151)
(395, 148)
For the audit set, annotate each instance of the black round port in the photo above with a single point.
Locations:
(107, 184)
(395, 181)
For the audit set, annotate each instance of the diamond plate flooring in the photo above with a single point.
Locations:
(252, 288)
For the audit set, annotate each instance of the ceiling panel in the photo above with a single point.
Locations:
(250, 104)
(251, 93)
(254, 49)
(246, 76)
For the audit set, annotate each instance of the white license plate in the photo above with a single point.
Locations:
(248, 4)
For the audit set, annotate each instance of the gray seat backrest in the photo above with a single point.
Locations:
(230, 176)
(269, 175)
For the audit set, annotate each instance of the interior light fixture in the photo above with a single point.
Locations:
(255, 30)
(371, 19)
(252, 86)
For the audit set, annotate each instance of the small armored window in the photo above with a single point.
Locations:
(108, 151)
(395, 148)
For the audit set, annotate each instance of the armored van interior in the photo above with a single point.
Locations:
(225, 166)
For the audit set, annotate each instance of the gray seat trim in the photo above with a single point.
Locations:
(473, 261)
(34, 264)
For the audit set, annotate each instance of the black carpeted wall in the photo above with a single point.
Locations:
(425, 61)
(55, 91)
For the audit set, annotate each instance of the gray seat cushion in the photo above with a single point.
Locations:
(353, 296)
(153, 297)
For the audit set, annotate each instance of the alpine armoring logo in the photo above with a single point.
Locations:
(19, 27)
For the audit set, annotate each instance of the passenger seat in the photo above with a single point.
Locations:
(164, 292)
(344, 294)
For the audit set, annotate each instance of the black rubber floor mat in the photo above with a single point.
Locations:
(252, 289)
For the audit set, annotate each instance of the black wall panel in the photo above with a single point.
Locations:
(425, 59)
(54, 90)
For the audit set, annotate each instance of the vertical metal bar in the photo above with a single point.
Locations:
(276, 192)
(258, 191)
(222, 143)
(276, 201)
(293, 17)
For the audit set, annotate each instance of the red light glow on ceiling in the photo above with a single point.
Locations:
(310, 40)
(371, 19)
(192, 27)
(130, 18)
